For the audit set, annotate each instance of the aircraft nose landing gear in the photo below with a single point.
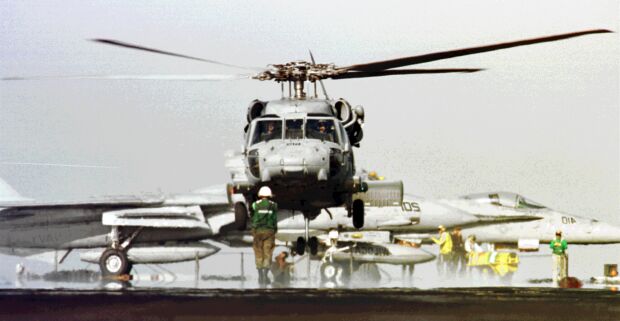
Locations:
(114, 262)
(311, 242)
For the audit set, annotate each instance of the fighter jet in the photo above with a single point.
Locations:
(528, 235)
(503, 219)
(133, 230)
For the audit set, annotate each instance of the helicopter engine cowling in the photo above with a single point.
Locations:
(352, 119)
(255, 109)
(342, 110)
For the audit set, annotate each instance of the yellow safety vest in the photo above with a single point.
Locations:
(445, 243)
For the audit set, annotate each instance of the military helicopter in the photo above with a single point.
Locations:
(301, 145)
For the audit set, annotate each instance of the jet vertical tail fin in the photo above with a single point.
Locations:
(8, 194)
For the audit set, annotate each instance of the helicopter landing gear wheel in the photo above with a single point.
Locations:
(358, 213)
(300, 246)
(313, 244)
(114, 262)
(241, 216)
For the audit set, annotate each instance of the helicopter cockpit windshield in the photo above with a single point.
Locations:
(266, 130)
(505, 199)
(294, 129)
(321, 129)
(324, 129)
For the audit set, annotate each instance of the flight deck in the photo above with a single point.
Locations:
(508, 303)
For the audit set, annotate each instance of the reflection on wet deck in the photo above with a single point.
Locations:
(506, 303)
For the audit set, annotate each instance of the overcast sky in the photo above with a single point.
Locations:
(541, 120)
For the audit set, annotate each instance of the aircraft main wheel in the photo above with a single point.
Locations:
(300, 246)
(358, 213)
(114, 262)
(313, 244)
(241, 216)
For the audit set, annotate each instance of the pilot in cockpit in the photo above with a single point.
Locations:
(322, 132)
(269, 132)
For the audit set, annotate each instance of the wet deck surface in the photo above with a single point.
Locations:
(311, 304)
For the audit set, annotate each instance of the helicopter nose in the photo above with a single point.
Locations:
(296, 161)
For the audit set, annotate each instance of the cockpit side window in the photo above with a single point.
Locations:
(294, 129)
(522, 202)
(494, 199)
(321, 129)
(266, 130)
(505, 199)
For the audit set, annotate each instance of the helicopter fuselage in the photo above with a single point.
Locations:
(302, 151)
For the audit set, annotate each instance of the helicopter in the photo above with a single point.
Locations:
(300, 145)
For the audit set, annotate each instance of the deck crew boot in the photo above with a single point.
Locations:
(266, 276)
(261, 277)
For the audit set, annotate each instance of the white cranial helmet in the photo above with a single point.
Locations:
(264, 191)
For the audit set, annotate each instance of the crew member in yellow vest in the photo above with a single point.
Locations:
(445, 249)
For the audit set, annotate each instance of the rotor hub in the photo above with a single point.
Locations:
(299, 71)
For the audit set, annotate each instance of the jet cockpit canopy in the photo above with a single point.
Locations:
(505, 199)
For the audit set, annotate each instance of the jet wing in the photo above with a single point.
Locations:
(212, 203)
(126, 201)
(158, 217)
(175, 211)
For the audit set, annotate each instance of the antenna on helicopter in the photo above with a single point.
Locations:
(320, 80)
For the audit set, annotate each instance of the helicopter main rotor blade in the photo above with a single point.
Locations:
(406, 61)
(138, 47)
(207, 77)
(391, 72)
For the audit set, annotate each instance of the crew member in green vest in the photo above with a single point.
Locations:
(264, 228)
(560, 259)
